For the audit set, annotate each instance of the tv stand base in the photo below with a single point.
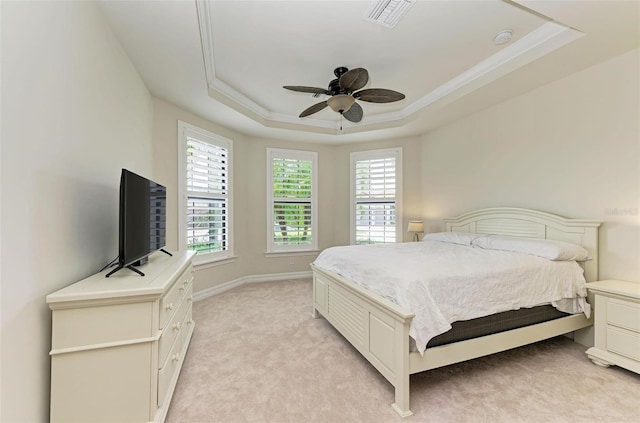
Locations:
(123, 267)
(140, 262)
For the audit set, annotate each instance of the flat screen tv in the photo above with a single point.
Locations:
(143, 218)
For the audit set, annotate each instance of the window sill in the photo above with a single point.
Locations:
(205, 264)
(272, 254)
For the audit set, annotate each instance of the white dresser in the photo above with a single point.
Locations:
(118, 344)
(617, 324)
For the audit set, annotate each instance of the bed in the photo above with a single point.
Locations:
(380, 328)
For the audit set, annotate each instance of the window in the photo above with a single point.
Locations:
(291, 200)
(376, 196)
(205, 193)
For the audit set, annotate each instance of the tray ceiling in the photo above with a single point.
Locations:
(228, 60)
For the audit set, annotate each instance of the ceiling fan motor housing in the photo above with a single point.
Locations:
(339, 71)
(334, 87)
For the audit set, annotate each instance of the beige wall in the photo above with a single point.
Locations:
(571, 148)
(249, 197)
(410, 183)
(74, 112)
(165, 154)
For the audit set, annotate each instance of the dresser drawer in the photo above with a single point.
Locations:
(170, 302)
(173, 328)
(171, 366)
(623, 342)
(187, 322)
(623, 314)
(85, 326)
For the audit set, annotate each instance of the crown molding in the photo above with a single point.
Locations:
(538, 43)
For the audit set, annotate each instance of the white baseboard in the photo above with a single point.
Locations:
(219, 289)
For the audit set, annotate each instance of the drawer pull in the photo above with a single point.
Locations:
(175, 357)
(181, 288)
(169, 307)
(190, 299)
(190, 322)
(176, 326)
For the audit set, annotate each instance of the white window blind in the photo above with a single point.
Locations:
(291, 185)
(206, 217)
(375, 193)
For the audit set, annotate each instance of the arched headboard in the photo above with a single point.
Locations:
(533, 224)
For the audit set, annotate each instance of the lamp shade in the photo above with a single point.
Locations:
(415, 226)
(341, 103)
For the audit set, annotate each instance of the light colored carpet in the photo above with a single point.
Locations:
(257, 355)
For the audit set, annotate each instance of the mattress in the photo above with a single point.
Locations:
(495, 323)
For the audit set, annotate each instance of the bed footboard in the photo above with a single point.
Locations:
(376, 327)
(379, 330)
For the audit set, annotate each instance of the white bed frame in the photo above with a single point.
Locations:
(379, 329)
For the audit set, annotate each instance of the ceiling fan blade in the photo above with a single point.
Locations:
(378, 95)
(313, 109)
(354, 114)
(312, 90)
(354, 79)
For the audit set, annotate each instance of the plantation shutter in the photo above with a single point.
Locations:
(207, 196)
(375, 200)
(292, 200)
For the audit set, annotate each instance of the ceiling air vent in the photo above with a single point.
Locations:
(388, 12)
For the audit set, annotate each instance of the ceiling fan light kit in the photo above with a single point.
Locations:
(343, 93)
(341, 103)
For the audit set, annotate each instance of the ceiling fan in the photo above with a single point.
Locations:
(343, 94)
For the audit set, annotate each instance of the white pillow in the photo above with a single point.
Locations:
(546, 248)
(462, 238)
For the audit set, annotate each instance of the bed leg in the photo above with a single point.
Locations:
(402, 397)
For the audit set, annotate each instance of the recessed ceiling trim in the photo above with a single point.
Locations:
(541, 41)
(206, 38)
(218, 89)
(532, 46)
(218, 86)
(307, 122)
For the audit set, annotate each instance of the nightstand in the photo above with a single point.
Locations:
(616, 324)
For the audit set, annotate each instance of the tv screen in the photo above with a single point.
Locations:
(143, 205)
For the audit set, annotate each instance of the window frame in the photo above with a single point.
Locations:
(185, 131)
(312, 156)
(357, 156)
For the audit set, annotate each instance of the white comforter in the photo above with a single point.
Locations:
(442, 283)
